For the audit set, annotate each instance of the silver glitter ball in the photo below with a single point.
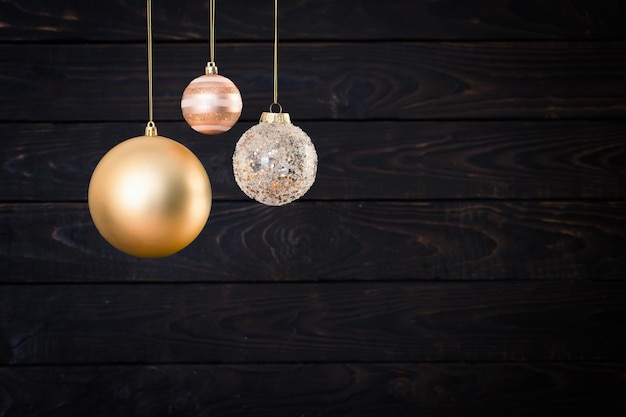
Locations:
(275, 162)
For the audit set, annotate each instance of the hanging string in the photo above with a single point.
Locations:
(275, 52)
(149, 18)
(276, 56)
(212, 30)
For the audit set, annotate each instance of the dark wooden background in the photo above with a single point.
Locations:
(462, 252)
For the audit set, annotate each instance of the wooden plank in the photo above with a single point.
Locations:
(333, 241)
(367, 390)
(331, 322)
(73, 20)
(375, 160)
(347, 81)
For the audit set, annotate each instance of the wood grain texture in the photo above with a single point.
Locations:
(75, 20)
(347, 81)
(463, 251)
(333, 241)
(374, 160)
(332, 322)
(331, 390)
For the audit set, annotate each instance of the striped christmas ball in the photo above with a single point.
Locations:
(211, 104)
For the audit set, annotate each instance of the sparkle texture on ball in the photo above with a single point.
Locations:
(211, 104)
(275, 163)
(149, 196)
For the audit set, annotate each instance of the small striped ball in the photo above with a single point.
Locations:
(211, 104)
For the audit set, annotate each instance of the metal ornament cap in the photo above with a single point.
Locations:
(274, 161)
(210, 69)
(149, 196)
(270, 117)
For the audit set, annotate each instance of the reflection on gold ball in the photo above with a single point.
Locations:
(211, 104)
(150, 196)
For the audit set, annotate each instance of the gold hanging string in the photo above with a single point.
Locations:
(211, 68)
(150, 128)
(275, 102)
(149, 17)
(212, 30)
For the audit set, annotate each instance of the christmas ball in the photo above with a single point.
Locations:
(149, 196)
(274, 161)
(211, 104)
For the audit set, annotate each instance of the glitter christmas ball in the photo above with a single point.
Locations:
(211, 104)
(149, 196)
(274, 161)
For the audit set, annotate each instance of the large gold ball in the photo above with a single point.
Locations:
(150, 196)
(211, 104)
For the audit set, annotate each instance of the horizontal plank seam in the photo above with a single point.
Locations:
(356, 282)
(304, 41)
(592, 200)
(287, 363)
(564, 119)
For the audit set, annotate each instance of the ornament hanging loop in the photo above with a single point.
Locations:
(151, 129)
(280, 108)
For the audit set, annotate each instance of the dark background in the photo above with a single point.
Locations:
(462, 252)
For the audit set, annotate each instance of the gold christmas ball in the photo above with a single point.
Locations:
(211, 104)
(150, 196)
